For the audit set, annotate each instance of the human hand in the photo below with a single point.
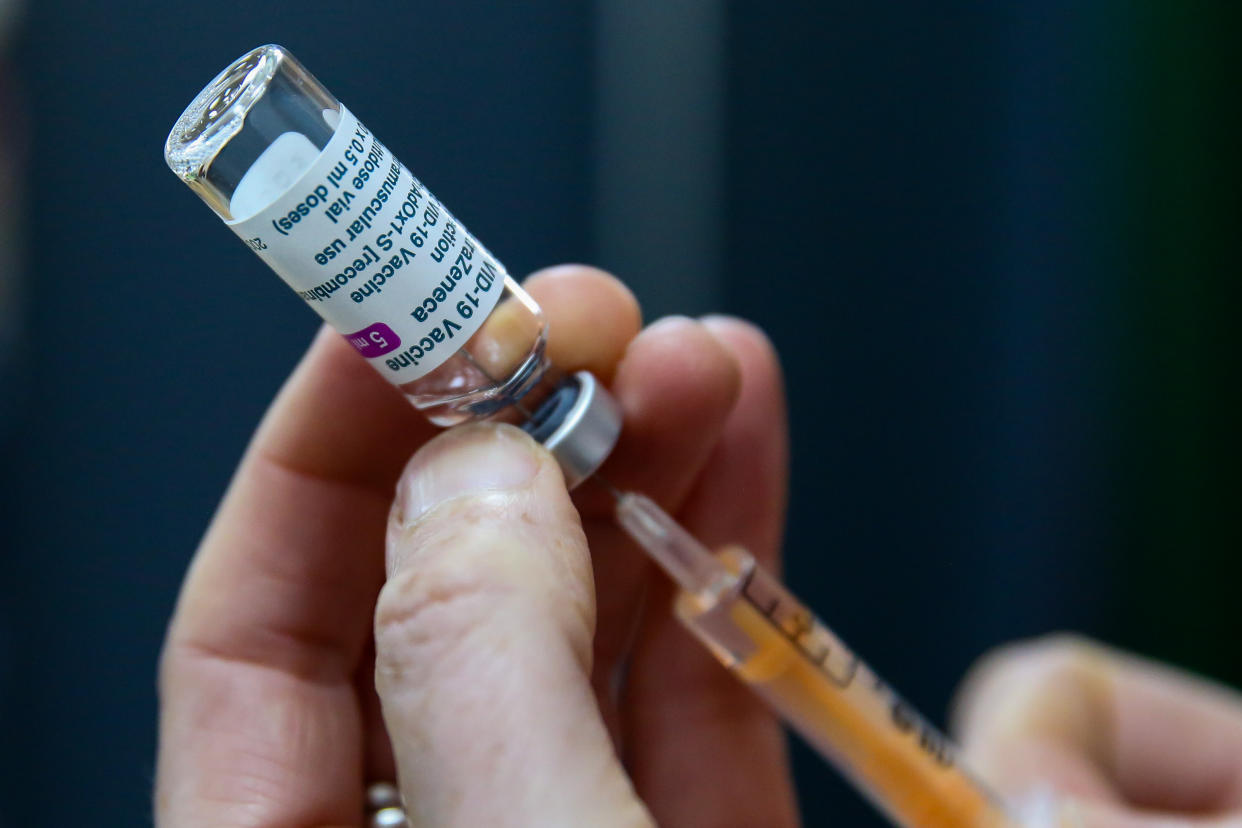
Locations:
(508, 688)
(1111, 740)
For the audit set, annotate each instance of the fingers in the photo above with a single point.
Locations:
(1117, 731)
(255, 674)
(279, 579)
(704, 750)
(676, 385)
(317, 478)
(483, 640)
(1040, 716)
(591, 317)
(278, 602)
(741, 494)
(1044, 808)
(1083, 814)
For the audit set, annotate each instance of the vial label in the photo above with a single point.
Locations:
(363, 243)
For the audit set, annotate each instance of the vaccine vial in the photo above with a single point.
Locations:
(331, 210)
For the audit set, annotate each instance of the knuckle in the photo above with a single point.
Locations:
(1050, 658)
(429, 608)
(1050, 672)
(422, 615)
(476, 566)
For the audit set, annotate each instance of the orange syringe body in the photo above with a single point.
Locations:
(799, 667)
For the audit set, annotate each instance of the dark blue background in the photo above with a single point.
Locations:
(912, 208)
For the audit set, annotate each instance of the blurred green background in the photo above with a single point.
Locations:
(1178, 228)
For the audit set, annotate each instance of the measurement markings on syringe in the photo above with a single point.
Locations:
(822, 650)
(800, 627)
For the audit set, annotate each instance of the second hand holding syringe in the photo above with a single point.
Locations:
(807, 676)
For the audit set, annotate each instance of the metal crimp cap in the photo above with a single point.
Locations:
(585, 431)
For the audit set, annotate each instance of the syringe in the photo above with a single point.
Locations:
(805, 674)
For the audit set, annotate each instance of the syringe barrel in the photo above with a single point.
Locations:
(807, 675)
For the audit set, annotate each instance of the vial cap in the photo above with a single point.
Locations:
(588, 431)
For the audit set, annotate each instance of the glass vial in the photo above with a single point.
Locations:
(311, 191)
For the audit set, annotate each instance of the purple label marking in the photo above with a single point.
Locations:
(374, 340)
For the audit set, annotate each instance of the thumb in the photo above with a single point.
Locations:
(483, 643)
